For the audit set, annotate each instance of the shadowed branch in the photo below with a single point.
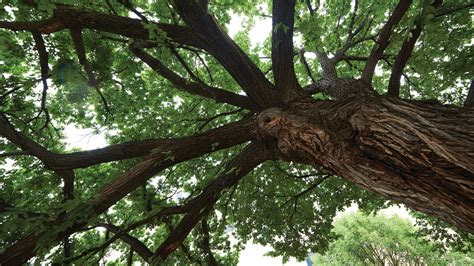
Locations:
(216, 94)
(383, 39)
(249, 158)
(404, 54)
(469, 102)
(282, 48)
(228, 53)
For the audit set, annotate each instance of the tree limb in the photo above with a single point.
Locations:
(211, 260)
(282, 48)
(241, 131)
(313, 186)
(66, 17)
(249, 158)
(309, 6)
(328, 66)
(43, 58)
(160, 159)
(182, 247)
(8, 131)
(216, 94)
(228, 53)
(15, 153)
(130, 7)
(135, 244)
(78, 40)
(469, 102)
(403, 56)
(383, 39)
(306, 65)
(185, 65)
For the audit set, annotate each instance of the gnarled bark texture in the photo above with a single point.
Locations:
(417, 154)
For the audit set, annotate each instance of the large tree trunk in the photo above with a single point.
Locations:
(418, 154)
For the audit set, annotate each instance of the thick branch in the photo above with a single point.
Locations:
(282, 47)
(68, 17)
(328, 67)
(216, 94)
(248, 159)
(43, 58)
(33, 26)
(421, 155)
(214, 40)
(162, 157)
(228, 53)
(243, 129)
(469, 102)
(403, 56)
(184, 249)
(8, 131)
(206, 245)
(78, 40)
(383, 39)
(401, 61)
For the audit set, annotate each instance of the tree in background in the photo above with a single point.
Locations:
(378, 240)
(210, 136)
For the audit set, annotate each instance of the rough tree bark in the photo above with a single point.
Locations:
(417, 154)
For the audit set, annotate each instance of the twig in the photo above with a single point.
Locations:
(306, 66)
(208, 120)
(76, 34)
(15, 153)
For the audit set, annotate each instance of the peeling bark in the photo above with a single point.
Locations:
(417, 154)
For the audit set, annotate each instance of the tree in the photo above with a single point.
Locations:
(188, 110)
(378, 240)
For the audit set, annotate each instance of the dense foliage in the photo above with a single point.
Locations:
(380, 240)
(86, 74)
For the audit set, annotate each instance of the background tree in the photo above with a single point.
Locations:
(378, 240)
(189, 112)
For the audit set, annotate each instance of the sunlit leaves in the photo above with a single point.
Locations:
(377, 239)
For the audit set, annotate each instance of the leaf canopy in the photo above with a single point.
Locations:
(129, 101)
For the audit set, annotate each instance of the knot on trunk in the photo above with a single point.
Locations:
(297, 138)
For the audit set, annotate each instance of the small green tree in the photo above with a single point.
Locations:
(379, 240)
